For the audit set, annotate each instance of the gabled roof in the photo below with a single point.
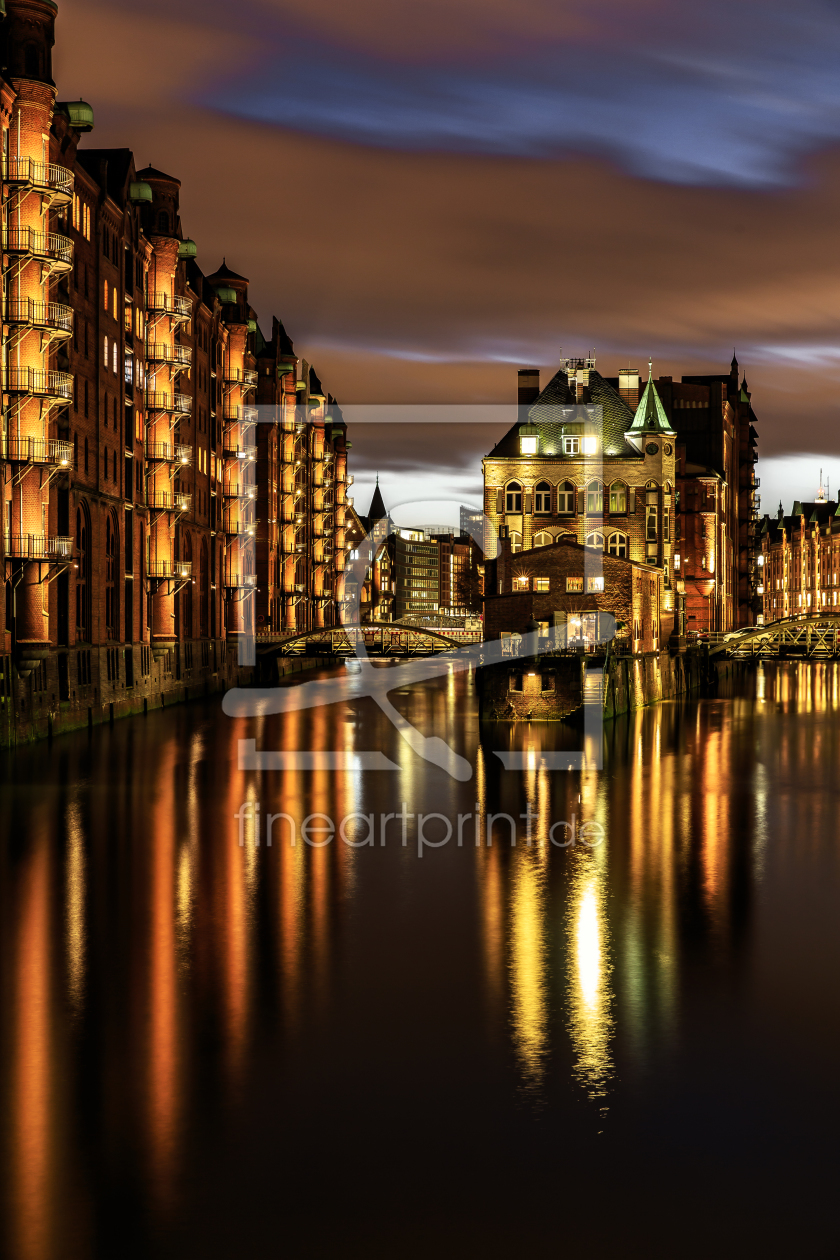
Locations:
(650, 415)
(546, 414)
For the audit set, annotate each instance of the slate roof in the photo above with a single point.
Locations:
(547, 414)
(376, 511)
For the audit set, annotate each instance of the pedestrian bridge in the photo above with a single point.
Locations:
(380, 638)
(815, 636)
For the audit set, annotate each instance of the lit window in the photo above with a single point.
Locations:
(566, 498)
(541, 584)
(590, 446)
(594, 497)
(543, 539)
(105, 295)
(595, 583)
(618, 497)
(677, 563)
(106, 352)
(618, 545)
(515, 541)
(114, 357)
(574, 583)
(595, 540)
(528, 444)
(571, 446)
(521, 583)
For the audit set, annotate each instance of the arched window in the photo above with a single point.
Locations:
(566, 498)
(618, 498)
(594, 497)
(515, 541)
(595, 540)
(542, 497)
(543, 539)
(204, 589)
(618, 545)
(31, 62)
(513, 497)
(111, 565)
(82, 573)
(188, 590)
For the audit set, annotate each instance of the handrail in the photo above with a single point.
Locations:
(38, 547)
(40, 382)
(25, 170)
(25, 240)
(44, 314)
(30, 450)
(169, 568)
(170, 304)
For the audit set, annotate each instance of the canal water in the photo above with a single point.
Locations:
(617, 1037)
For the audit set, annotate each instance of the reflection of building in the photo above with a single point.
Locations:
(569, 588)
(800, 560)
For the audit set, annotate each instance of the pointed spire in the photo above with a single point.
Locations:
(781, 511)
(650, 415)
(733, 367)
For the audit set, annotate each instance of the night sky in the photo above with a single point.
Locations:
(433, 194)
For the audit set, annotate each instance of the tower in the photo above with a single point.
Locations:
(36, 193)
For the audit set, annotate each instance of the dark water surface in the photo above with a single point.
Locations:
(629, 1049)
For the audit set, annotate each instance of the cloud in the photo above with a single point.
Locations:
(723, 93)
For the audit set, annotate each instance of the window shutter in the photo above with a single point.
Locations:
(527, 498)
(500, 501)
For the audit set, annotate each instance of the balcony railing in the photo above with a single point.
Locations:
(38, 547)
(52, 247)
(162, 501)
(168, 304)
(240, 452)
(157, 400)
(40, 383)
(246, 377)
(240, 529)
(240, 581)
(237, 413)
(166, 453)
(239, 492)
(57, 180)
(30, 450)
(170, 568)
(161, 352)
(28, 313)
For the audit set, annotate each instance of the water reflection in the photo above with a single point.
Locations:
(155, 965)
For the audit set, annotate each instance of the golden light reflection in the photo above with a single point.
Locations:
(590, 994)
(75, 931)
(528, 967)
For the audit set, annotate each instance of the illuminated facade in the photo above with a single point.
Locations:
(800, 561)
(661, 473)
(150, 525)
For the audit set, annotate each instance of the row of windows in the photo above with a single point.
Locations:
(567, 492)
(616, 544)
(572, 585)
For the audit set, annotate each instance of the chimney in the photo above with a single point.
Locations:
(628, 386)
(529, 386)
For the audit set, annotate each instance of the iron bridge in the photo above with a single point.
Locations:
(377, 638)
(814, 636)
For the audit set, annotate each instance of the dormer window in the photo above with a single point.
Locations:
(590, 445)
(571, 445)
(529, 440)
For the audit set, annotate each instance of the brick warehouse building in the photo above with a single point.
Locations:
(667, 479)
(141, 537)
(800, 560)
